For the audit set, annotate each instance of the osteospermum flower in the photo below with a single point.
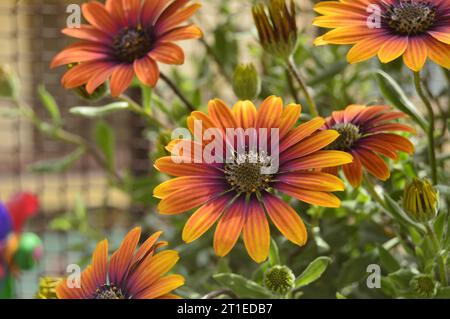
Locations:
(366, 133)
(239, 193)
(390, 28)
(127, 275)
(124, 38)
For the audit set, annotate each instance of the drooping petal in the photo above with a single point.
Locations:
(256, 232)
(100, 77)
(373, 163)
(353, 171)
(365, 49)
(285, 219)
(147, 71)
(121, 79)
(416, 54)
(229, 227)
(438, 52)
(392, 48)
(203, 219)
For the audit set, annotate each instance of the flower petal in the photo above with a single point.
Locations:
(373, 163)
(229, 227)
(204, 218)
(365, 49)
(186, 183)
(245, 114)
(89, 33)
(392, 48)
(167, 165)
(269, 113)
(314, 181)
(311, 197)
(182, 33)
(161, 287)
(289, 117)
(300, 132)
(353, 171)
(167, 22)
(285, 219)
(121, 79)
(96, 14)
(168, 53)
(147, 71)
(221, 115)
(416, 54)
(320, 159)
(100, 263)
(256, 232)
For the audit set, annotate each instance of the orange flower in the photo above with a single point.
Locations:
(239, 193)
(124, 38)
(390, 28)
(127, 275)
(366, 133)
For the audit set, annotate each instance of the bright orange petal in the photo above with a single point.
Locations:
(96, 14)
(221, 115)
(289, 117)
(416, 54)
(186, 183)
(100, 263)
(285, 219)
(311, 197)
(269, 113)
(182, 33)
(147, 71)
(121, 79)
(300, 132)
(204, 218)
(365, 49)
(373, 163)
(168, 53)
(353, 172)
(245, 114)
(320, 159)
(229, 227)
(161, 287)
(392, 48)
(256, 232)
(314, 181)
(168, 166)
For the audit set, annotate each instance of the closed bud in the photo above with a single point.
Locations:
(246, 82)
(279, 279)
(9, 82)
(277, 27)
(423, 285)
(420, 200)
(83, 93)
(47, 287)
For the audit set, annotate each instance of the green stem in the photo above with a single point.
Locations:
(136, 108)
(430, 133)
(177, 92)
(296, 73)
(370, 187)
(440, 258)
(64, 136)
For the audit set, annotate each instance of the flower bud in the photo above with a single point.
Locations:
(47, 287)
(83, 93)
(277, 27)
(420, 200)
(423, 285)
(9, 82)
(246, 82)
(279, 279)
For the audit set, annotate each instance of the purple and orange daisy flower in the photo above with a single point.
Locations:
(125, 38)
(366, 133)
(416, 29)
(237, 193)
(128, 274)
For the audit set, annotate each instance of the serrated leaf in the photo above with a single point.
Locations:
(242, 286)
(57, 165)
(394, 94)
(105, 139)
(50, 104)
(99, 111)
(313, 272)
(387, 260)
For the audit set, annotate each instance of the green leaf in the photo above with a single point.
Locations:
(443, 293)
(105, 139)
(99, 111)
(387, 260)
(274, 255)
(439, 226)
(57, 165)
(313, 272)
(50, 104)
(241, 286)
(393, 93)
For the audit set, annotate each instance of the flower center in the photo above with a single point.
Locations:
(108, 292)
(246, 173)
(349, 134)
(410, 17)
(132, 43)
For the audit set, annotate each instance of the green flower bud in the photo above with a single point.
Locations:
(83, 93)
(420, 200)
(9, 82)
(423, 285)
(28, 252)
(277, 27)
(246, 82)
(279, 279)
(47, 287)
